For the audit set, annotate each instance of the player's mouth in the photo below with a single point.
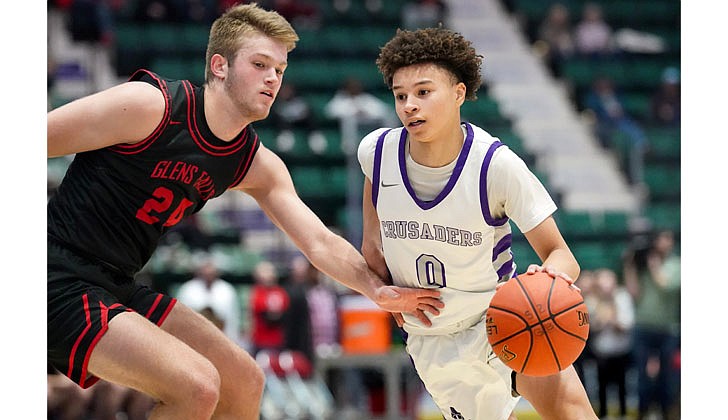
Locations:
(267, 93)
(415, 123)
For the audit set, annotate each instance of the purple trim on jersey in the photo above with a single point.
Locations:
(501, 246)
(426, 205)
(504, 245)
(377, 169)
(506, 268)
(483, 187)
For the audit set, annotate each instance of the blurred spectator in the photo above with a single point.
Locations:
(611, 322)
(557, 34)
(223, 5)
(189, 232)
(200, 11)
(593, 35)
(112, 401)
(611, 118)
(652, 276)
(290, 110)
(104, 401)
(90, 21)
(301, 14)
(350, 100)
(208, 291)
(297, 319)
(324, 307)
(158, 11)
(268, 302)
(586, 282)
(418, 14)
(665, 109)
(65, 399)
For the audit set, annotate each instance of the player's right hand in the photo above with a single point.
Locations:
(551, 271)
(409, 300)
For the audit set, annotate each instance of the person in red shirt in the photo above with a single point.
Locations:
(268, 303)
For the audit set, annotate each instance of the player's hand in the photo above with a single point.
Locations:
(551, 271)
(398, 318)
(414, 301)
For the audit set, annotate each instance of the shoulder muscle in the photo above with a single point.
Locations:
(126, 113)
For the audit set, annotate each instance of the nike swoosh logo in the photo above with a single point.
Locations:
(387, 185)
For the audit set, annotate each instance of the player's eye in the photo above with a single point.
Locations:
(423, 92)
(400, 97)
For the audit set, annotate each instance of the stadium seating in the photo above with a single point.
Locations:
(347, 43)
(636, 77)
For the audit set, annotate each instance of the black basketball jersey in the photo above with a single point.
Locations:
(115, 203)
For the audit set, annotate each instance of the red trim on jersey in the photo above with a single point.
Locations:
(104, 314)
(226, 150)
(128, 149)
(167, 311)
(80, 337)
(154, 306)
(87, 382)
(245, 163)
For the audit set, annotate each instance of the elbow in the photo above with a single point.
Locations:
(577, 269)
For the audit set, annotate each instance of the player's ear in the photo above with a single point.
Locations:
(218, 66)
(460, 91)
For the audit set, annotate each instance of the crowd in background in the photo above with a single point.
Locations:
(634, 310)
(634, 330)
(634, 319)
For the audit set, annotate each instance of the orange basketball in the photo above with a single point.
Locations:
(537, 324)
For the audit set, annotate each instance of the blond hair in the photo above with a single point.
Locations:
(229, 30)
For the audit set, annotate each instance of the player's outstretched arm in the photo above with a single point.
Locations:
(269, 182)
(126, 113)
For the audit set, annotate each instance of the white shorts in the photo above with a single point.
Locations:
(462, 374)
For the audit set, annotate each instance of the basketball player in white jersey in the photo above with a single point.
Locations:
(438, 195)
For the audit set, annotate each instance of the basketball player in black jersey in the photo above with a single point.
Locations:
(148, 153)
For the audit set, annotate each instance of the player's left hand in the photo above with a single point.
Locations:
(551, 271)
(409, 300)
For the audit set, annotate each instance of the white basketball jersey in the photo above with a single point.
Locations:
(452, 242)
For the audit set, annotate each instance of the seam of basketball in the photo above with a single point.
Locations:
(527, 328)
(545, 331)
(554, 315)
(538, 323)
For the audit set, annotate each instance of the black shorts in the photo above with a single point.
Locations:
(83, 296)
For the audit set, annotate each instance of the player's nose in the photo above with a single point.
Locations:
(411, 107)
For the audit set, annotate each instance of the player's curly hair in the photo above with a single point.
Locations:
(440, 46)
